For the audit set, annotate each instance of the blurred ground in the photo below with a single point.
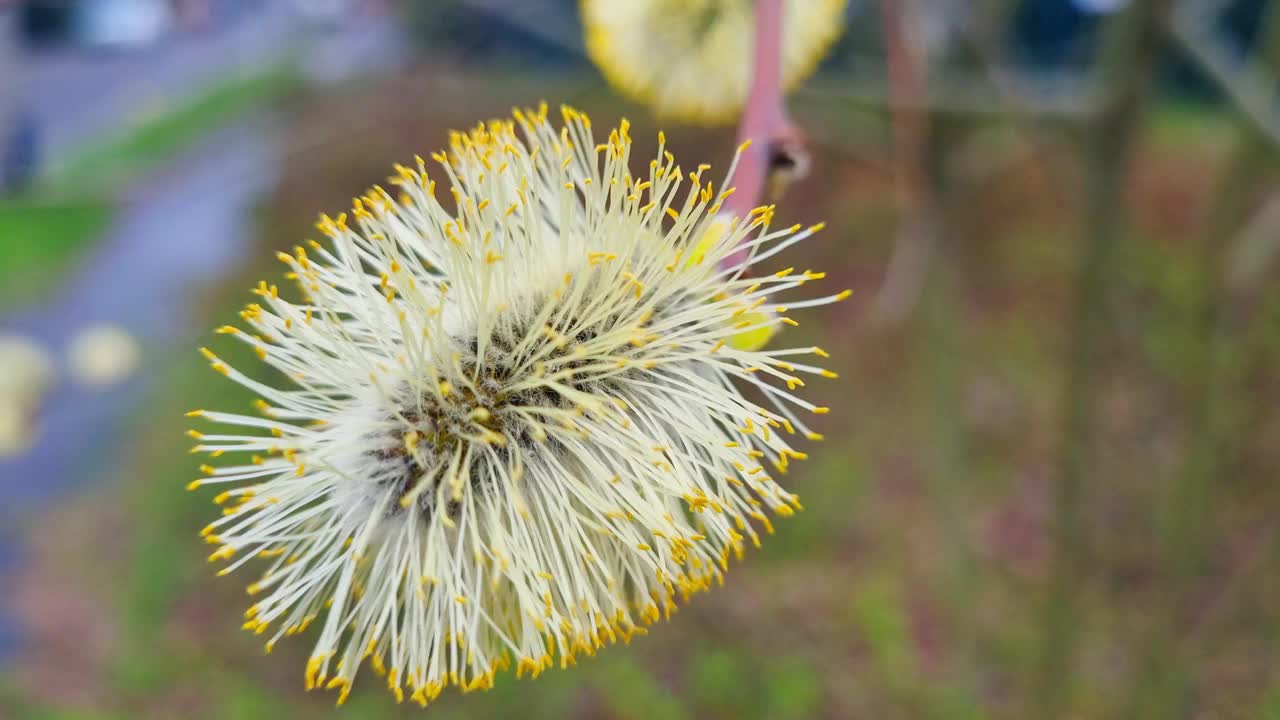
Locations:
(913, 584)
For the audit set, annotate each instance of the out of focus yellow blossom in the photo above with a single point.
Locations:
(26, 374)
(102, 355)
(690, 60)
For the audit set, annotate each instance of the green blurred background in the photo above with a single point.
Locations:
(1048, 486)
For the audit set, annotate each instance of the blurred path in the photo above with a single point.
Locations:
(79, 94)
(181, 229)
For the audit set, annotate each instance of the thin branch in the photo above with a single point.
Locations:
(1127, 67)
(1256, 248)
(1019, 92)
(1246, 86)
(1189, 504)
(772, 139)
(913, 248)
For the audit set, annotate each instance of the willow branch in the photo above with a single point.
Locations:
(909, 122)
(1213, 395)
(773, 143)
(1132, 49)
(1249, 89)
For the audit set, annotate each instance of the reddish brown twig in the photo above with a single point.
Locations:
(774, 141)
(909, 121)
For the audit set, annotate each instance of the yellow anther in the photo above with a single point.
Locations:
(222, 553)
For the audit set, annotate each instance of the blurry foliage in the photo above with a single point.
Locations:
(792, 689)
(1163, 291)
(855, 607)
(715, 682)
(632, 692)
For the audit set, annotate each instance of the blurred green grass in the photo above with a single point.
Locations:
(40, 241)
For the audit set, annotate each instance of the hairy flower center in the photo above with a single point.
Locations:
(500, 397)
